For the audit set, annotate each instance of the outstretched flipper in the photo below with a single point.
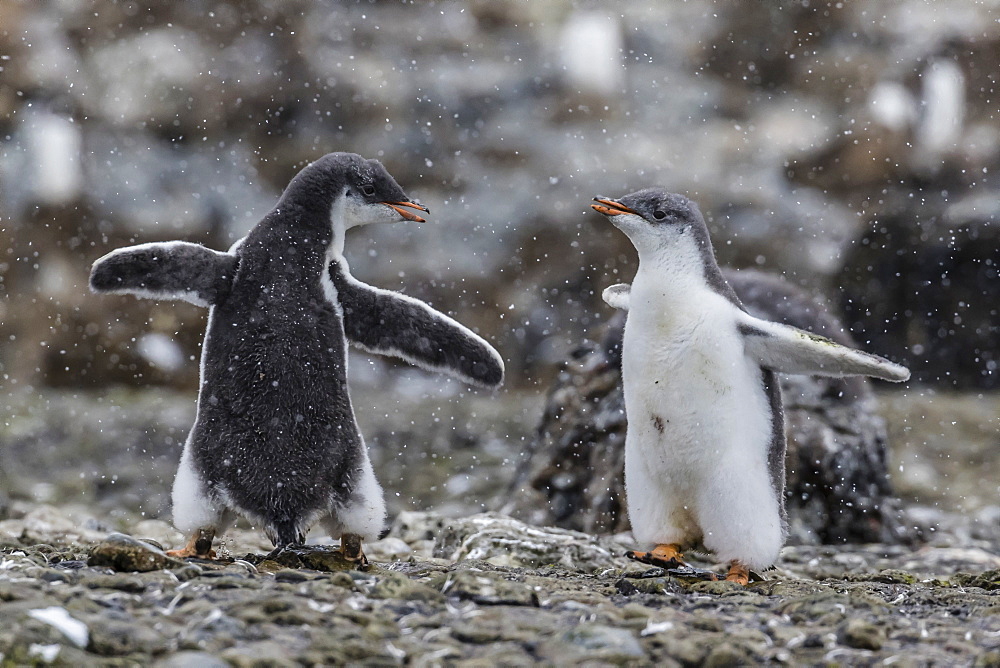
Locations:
(794, 351)
(169, 270)
(617, 296)
(389, 323)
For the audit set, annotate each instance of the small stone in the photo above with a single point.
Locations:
(887, 576)
(188, 658)
(717, 587)
(488, 589)
(124, 553)
(316, 557)
(593, 643)
(290, 575)
(131, 584)
(114, 638)
(728, 654)
(860, 634)
(398, 586)
(342, 580)
(264, 653)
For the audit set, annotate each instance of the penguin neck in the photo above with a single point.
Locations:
(338, 227)
(676, 274)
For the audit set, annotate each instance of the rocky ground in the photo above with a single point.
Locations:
(483, 590)
(454, 585)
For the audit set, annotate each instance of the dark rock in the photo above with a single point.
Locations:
(923, 283)
(837, 488)
(316, 557)
(124, 553)
(988, 580)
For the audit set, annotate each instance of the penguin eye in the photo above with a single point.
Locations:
(659, 215)
(368, 190)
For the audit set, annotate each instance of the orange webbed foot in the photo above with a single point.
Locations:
(198, 546)
(666, 555)
(350, 547)
(738, 573)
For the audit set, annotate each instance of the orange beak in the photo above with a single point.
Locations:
(401, 209)
(609, 207)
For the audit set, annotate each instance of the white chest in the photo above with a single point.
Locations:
(691, 394)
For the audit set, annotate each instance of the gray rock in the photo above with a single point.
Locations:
(593, 642)
(397, 586)
(120, 638)
(190, 658)
(488, 589)
(124, 553)
(861, 634)
(505, 541)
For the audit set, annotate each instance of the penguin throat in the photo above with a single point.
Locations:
(338, 224)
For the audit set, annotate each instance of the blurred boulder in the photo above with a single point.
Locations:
(837, 489)
(924, 281)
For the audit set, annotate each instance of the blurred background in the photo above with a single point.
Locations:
(852, 147)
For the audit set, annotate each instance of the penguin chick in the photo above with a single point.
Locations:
(705, 446)
(275, 438)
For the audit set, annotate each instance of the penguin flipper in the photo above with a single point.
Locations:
(791, 350)
(169, 270)
(389, 323)
(617, 296)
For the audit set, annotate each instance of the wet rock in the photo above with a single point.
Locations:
(315, 557)
(124, 553)
(861, 634)
(127, 583)
(505, 541)
(190, 658)
(118, 638)
(488, 589)
(43, 522)
(837, 486)
(728, 654)
(256, 653)
(593, 642)
(397, 586)
(989, 580)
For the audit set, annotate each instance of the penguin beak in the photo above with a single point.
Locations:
(609, 207)
(401, 209)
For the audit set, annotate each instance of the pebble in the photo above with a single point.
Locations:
(124, 553)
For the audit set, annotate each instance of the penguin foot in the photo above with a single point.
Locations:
(199, 546)
(350, 547)
(738, 573)
(665, 555)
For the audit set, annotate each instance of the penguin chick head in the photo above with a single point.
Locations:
(656, 220)
(354, 190)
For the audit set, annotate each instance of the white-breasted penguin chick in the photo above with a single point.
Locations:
(705, 445)
(275, 437)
